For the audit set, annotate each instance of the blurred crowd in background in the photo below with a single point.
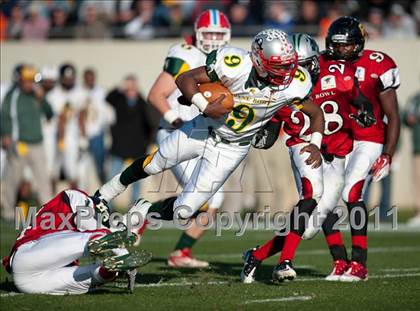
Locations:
(146, 19)
(55, 128)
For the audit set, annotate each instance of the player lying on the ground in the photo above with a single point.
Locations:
(212, 31)
(45, 257)
(261, 82)
(335, 89)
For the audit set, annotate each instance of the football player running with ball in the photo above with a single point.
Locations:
(261, 82)
(335, 89)
(212, 31)
(45, 256)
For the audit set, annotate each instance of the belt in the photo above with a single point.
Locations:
(220, 139)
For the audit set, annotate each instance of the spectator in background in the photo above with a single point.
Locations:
(333, 12)
(49, 77)
(21, 135)
(309, 16)
(239, 13)
(97, 118)
(375, 23)
(91, 26)
(59, 27)
(68, 139)
(132, 131)
(399, 24)
(15, 23)
(412, 120)
(170, 16)
(279, 17)
(141, 26)
(35, 26)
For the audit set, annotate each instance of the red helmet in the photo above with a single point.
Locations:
(212, 30)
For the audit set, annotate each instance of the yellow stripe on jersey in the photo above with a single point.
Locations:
(149, 158)
(185, 67)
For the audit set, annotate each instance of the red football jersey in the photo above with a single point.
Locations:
(333, 92)
(375, 72)
(63, 205)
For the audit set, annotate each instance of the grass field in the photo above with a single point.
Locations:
(394, 268)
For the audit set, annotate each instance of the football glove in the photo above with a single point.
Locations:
(102, 210)
(177, 123)
(381, 167)
(266, 136)
(259, 140)
(364, 118)
(184, 101)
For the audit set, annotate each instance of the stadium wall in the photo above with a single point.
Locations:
(115, 59)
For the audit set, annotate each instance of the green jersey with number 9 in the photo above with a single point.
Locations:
(255, 102)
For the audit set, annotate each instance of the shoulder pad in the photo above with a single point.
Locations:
(228, 63)
(301, 86)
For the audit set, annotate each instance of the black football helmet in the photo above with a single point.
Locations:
(345, 30)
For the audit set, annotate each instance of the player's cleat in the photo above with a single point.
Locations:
(127, 262)
(118, 239)
(182, 258)
(355, 273)
(284, 271)
(340, 266)
(251, 265)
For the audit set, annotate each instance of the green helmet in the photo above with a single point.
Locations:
(308, 53)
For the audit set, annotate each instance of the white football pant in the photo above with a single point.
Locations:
(41, 266)
(333, 187)
(358, 164)
(183, 172)
(308, 180)
(215, 163)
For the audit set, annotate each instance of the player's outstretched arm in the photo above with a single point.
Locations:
(188, 85)
(317, 127)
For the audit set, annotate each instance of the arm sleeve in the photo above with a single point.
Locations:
(47, 110)
(389, 74)
(175, 66)
(6, 120)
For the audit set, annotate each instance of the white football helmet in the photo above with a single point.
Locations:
(274, 57)
(308, 53)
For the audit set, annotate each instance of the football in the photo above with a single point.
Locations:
(213, 90)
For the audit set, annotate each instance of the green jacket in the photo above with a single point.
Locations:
(21, 116)
(413, 109)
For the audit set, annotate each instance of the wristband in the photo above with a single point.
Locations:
(170, 116)
(200, 101)
(316, 139)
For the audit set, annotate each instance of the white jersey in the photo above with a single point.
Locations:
(182, 57)
(254, 102)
